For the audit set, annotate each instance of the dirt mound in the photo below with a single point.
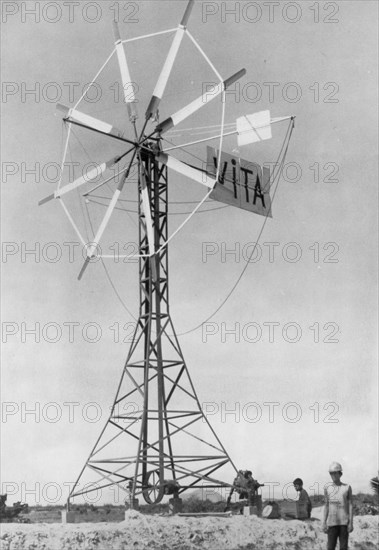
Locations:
(132, 514)
(140, 532)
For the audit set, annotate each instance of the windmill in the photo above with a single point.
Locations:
(165, 444)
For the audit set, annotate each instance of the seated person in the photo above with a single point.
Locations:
(303, 495)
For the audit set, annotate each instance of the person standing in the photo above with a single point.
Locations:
(338, 510)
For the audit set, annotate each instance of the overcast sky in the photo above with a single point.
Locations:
(314, 278)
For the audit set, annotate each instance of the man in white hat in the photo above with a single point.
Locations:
(338, 510)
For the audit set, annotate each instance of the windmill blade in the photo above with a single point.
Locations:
(148, 219)
(90, 121)
(253, 128)
(107, 216)
(198, 175)
(125, 140)
(127, 83)
(169, 63)
(91, 175)
(147, 212)
(191, 108)
(92, 248)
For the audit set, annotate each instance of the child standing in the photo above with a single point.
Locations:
(338, 511)
(303, 496)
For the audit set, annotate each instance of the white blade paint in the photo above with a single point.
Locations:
(104, 223)
(168, 65)
(148, 219)
(205, 98)
(90, 121)
(127, 84)
(181, 168)
(89, 176)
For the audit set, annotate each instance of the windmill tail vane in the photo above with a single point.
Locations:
(166, 445)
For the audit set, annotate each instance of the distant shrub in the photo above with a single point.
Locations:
(196, 505)
(365, 504)
(374, 482)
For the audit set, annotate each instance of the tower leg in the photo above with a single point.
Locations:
(175, 505)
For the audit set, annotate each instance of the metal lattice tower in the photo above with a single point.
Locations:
(156, 380)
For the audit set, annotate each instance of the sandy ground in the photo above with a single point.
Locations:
(139, 532)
